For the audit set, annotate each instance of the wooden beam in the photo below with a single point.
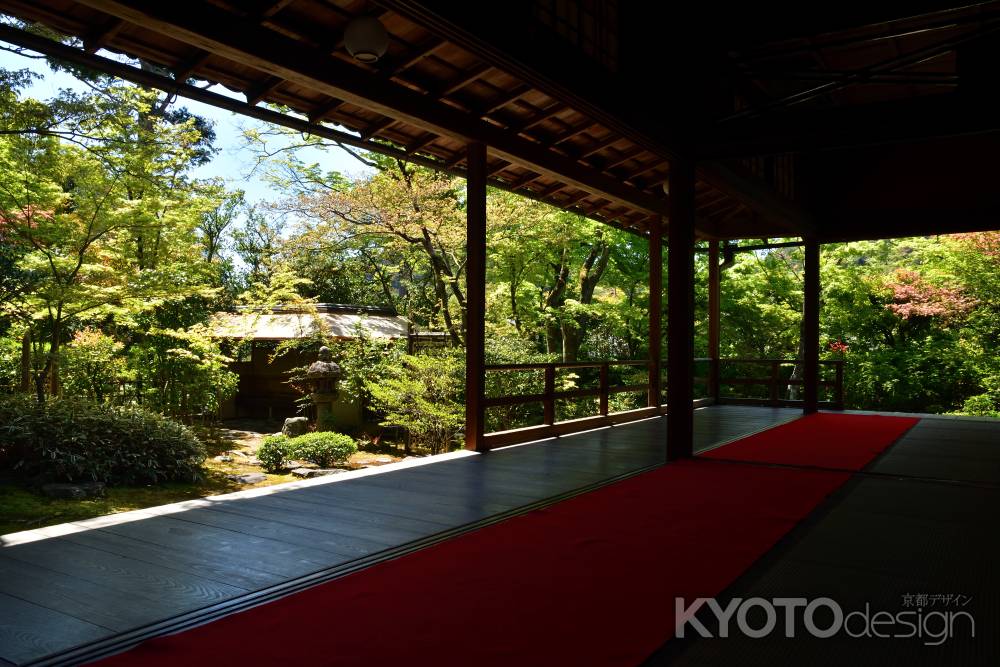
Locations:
(758, 196)
(420, 142)
(263, 89)
(498, 167)
(505, 99)
(810, 328)
(183, 72)
(920, 55)
(393, 68)
(273, 8)
(601, 145)
(464, 80)
(95, 41)
(174, 87)
(680, 312)
(654, 393)
(714, 318)
(244, 42)
(898, 121)
(624, 157)
(475, 294)
(321, 111)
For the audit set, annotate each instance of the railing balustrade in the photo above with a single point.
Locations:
(543, 390)
(774, 379)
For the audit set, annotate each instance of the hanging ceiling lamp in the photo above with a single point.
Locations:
(366, 39)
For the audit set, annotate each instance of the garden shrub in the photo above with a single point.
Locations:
(424, 395)
(322, 448)
(76, 440)
(273, 452)
(982, 405)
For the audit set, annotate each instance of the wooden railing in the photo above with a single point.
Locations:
(775, 381)
(548, 396)
(542, 391)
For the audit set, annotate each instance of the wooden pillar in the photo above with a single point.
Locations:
(714, 320)
(810, 328)
(680, 312)
(653, 397)
(475, 295)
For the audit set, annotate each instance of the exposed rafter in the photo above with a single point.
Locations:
(247, 43)
(153, 80)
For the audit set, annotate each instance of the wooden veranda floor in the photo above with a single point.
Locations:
(105, 583)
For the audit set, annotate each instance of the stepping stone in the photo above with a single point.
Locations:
(249, 477)
(74, 491)
(307, 473)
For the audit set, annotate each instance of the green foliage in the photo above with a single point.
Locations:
(10, 364)
(72, 440)
(97, 203)
(322, 448)
(181, 372)
(273, 452)
(92, 365)
(982, 405)
(423, 396)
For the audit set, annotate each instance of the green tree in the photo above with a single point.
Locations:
(423, 396)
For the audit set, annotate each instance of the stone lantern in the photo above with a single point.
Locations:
(322, 378)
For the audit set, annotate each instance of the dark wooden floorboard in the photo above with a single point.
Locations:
(959, 450)
(28, 631)
(57, 593)
(240, 575)
(163, 584)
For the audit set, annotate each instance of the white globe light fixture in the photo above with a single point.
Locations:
(366, 39)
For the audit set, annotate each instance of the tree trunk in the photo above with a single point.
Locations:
(794, 391)
(589, 276)
(26, 361)
(513, 300)
(553, 300)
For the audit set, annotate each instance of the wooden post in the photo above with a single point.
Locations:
(603, 397)
(549, 404)
(810, 329)
(680, 312)
(714, 319)
(475, 315)
(654, 394)
(775, 375)
(839, 386)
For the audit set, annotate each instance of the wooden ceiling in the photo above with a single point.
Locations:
(426, 98)
(440, 87)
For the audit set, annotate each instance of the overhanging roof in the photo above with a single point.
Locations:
(287, 325)
(764, 92)
(424, 101)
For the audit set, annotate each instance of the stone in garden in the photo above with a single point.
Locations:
(384, 459)
(253, 461)
(249, 477)
(223, 459)
(307, 473)
(74, 491)
(295, 426)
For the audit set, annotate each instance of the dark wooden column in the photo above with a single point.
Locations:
(713, 319)
(810, 328)
(680, 312)
(475, 297)
(653, 398)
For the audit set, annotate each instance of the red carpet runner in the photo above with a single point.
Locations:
(821, 440)
(588, 581)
